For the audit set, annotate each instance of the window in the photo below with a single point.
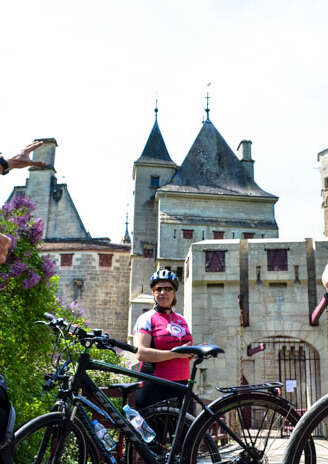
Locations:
(66, 260)
(218, 234)
(277, 260)
(154, 181)
(105, 260)
(175, 233)
(326, 182)
(187, 233)
(215, 261)
(148, 252)
(248, 234)
(180, 273)
(203, 235)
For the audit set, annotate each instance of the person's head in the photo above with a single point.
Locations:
(164, 285)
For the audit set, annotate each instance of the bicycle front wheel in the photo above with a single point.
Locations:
(313, 425)
(260, 423)
(49, 438)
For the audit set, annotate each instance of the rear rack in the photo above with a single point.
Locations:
(271, 386)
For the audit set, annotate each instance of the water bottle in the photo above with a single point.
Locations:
(104, 436)
(139, 423)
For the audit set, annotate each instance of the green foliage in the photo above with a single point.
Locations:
(28, 284)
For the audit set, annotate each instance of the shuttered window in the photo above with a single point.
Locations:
(277, 260)
(218, 234)
(215, 261)
(105, 260)
(66, 259)
(187, 233)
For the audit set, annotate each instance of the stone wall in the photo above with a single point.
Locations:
(279, 307)
(102, 292)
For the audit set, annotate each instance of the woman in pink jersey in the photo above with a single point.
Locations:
(156, 332)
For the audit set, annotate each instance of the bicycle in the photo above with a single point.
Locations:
(314, 423)
(254, 418)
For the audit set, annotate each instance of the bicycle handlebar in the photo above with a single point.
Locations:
(101, 340)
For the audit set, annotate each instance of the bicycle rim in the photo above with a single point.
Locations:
(261, 422)
(313, 424)
(44, 440)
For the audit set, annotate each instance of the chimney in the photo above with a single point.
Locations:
(246, 159)
(46, 152)
(40, 179)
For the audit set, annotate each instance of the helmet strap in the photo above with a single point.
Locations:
(161, 309)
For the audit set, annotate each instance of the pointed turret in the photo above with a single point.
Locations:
(155, 150)
(212, 167)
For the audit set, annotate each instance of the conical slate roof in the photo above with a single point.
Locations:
(155, 150)
(212, 167)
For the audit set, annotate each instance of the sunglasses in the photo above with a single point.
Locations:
(165, 289)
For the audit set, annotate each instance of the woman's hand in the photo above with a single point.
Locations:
(148, 354)
(5, 243)
(22, 160)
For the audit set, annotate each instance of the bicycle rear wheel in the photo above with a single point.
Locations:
(49, 439)
(314, 424)
(261, 421)
(163, 421)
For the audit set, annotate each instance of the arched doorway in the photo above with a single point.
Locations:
(288, 360)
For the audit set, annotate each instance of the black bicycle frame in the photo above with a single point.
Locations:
(82, 380)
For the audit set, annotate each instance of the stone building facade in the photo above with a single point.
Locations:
(243, 287)
(93, 271)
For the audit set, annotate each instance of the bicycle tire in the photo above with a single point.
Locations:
(37, 441)
(259, 419)
(313, 424)
(163, 421)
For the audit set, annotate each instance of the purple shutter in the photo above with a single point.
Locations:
(215, 261)
(277, 260)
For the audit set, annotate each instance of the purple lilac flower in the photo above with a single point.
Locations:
(35, 231)
(28, 253)
(49, 266)
(32, 280)
(17, 268)
(4, 277)
(20, 201)
(3, 228)
(22, 221)
(76, 308)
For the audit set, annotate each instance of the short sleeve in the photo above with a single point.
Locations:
(143, 324)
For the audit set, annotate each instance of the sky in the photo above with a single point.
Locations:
(89, 73)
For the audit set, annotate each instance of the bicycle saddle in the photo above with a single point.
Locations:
(199, 350)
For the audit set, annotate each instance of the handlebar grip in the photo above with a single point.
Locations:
(123, 346)
(49, 316)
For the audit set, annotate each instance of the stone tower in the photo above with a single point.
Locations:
(55, 205)
(153, 169)
(323, 159)
(212, 195)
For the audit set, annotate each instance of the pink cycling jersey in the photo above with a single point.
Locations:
(167, 331)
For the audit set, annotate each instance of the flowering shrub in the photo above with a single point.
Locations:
(28, 284)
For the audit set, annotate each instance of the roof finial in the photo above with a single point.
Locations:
(207, 109)
(126, 239)
(156, 109)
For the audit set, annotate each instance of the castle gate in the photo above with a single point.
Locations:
(288, 360)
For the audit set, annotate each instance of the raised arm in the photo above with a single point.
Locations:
(22, 160)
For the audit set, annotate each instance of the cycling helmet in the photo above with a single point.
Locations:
(164, 274)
